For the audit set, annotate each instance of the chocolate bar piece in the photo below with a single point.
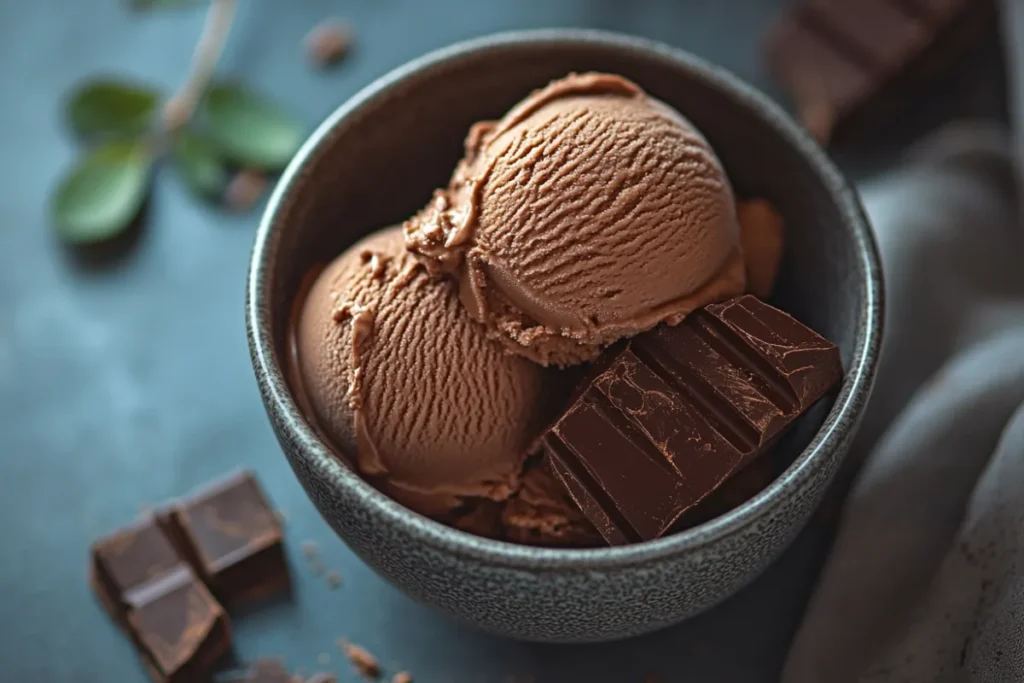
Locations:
(840, 58)
(128, 559)
(740, 488)
(178, 628)
(668, 417)
(233, 539)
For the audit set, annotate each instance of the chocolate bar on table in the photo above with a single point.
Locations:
(666, 418)
(839, 59)
(233, 539)
(150, 590)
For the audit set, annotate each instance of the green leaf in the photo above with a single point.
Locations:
(249, 129)
(101, 196)
(200, 163)
(107, 108)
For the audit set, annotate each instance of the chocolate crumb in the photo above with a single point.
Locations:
(402, 677)
(365, 663)
(309, 549)
(323, 659)
(333, 579)
(328, 42)
(244, 190)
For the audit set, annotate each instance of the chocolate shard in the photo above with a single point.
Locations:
(178, 628)
(878, 34)
(667, 418)
(846, 61)
(233, 539)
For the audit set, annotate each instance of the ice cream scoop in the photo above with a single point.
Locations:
(589, 213)
(400, 377)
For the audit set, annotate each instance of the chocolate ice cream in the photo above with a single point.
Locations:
(402, 379)
(589, 213)
(542, 513)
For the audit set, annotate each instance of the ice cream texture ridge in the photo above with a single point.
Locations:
(401, 377)
(591, 212)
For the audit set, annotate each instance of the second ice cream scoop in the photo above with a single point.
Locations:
(589, 213)
(399, 376)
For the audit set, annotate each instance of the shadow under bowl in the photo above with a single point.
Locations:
(375, 161)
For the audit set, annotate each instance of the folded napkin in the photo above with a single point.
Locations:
(925, 582)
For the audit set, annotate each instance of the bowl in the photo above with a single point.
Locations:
(375, 161)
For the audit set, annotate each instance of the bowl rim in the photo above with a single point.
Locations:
(838, 424)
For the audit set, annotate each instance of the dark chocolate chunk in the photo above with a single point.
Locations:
(178, 628)
(234, 540)
(126, 560)
(877, 33)
(669, 416)
(740, 488)
(845, 61)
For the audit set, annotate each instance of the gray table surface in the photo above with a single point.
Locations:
(127, 382)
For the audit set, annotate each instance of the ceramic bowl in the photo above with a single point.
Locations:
(375, 161)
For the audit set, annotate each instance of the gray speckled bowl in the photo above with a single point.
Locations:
(375, 161)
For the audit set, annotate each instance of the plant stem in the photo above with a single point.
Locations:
(183, 103)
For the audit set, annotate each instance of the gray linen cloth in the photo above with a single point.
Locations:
(925, 582)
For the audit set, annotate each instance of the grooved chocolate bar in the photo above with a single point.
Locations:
(838, 58)
(666, 419)
(178, 628)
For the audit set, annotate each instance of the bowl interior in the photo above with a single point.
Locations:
(378, 160)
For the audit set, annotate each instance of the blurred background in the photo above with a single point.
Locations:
(125, 378)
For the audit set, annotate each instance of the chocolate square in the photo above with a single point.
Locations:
(879, 32)
(178, 627)
(826, 84)
(233, 539)
(127, 559)
(150, 590)
(850, 63)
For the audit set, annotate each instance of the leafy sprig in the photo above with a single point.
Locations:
(210, 131)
